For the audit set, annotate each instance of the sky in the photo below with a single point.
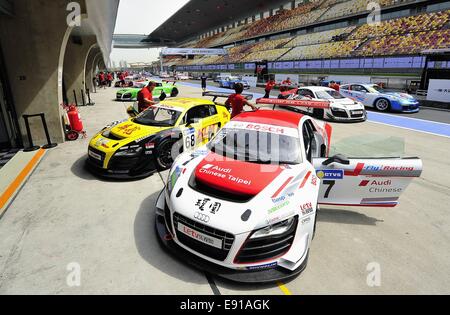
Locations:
(142, 17)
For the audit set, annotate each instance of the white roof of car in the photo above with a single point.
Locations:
(317, 88)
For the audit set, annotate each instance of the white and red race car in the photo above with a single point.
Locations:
(335, 106)
(244, 206)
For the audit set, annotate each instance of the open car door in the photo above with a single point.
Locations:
(376, 182)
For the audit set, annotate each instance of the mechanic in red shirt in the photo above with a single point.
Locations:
(269, 86)
(145, 97)
(287, 82)
(237, 101)
(101, 80)
(109, 79)
(335, 86)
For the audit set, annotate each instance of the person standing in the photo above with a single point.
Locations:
(269, 87)
(101, 80)
(237, 102)
(109, 79)
(145, 97)
(204, 78)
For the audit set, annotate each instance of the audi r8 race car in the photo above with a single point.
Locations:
(244, 206)
(130, 94)
(139, 146)
(229, 83)
(372, 95)
(339, 108)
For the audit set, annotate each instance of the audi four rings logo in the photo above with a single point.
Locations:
(202, 217)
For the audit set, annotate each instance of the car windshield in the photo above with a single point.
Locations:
(376, 89)
(329, 95)
(158, 117)
(256, 146)
(140, 85)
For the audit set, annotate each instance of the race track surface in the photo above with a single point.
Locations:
(65, 217)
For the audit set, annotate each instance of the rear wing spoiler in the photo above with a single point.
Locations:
(217, 95)
(298, 103)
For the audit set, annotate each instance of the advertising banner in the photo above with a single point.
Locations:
(439, 90)
(193, 51)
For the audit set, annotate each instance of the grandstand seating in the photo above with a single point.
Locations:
(400, 36)
(318, 38)
(344, 8)
(411, 43)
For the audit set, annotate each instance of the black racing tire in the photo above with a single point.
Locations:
(382, 105)
(174, 92)
(164, 156)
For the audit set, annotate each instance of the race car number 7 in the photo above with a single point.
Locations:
(330, 184)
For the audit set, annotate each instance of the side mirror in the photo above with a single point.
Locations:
(339, 158)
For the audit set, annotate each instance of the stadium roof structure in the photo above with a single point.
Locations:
(198, 16)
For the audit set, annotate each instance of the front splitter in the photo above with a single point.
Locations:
(243, 276)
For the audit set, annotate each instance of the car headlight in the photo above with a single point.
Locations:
(337, 109)
(130, 151)
(275, 229)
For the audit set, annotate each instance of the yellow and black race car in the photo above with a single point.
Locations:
(139, 146)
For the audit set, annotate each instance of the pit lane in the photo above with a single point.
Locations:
(425, 113)
(65, 215)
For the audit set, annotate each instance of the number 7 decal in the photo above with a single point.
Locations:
(330, 184)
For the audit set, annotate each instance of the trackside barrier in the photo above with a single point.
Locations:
(90, 103)
(32, 147)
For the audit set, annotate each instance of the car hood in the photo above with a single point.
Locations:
(129, 90)
(129, 129)
(234, 177)
(346, 103)
(400, 95)
(278, 191)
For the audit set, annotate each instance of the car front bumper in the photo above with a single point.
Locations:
(122, 168)
(243, 275)
(412, 107)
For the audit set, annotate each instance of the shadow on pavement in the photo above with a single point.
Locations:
(79, 169)
(345, 217)
(150, 250)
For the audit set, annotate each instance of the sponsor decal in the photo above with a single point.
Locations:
(306, 220)
(380, 186)
(263, 128)
(306, 208)
(95, 155)
(224, 173)
(266, 266)
(282, 198)
(206, 239)
(314, 180)
(207, 204)
(277, 218)
(128, 129)
(150, 145)
(148, 152)
(201, 217)
(102, 142)
(330, 174)
(278, 207)
(376, 168)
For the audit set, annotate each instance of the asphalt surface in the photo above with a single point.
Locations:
(65, 220)
(425, 113)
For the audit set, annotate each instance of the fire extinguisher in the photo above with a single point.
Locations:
(75, 120)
